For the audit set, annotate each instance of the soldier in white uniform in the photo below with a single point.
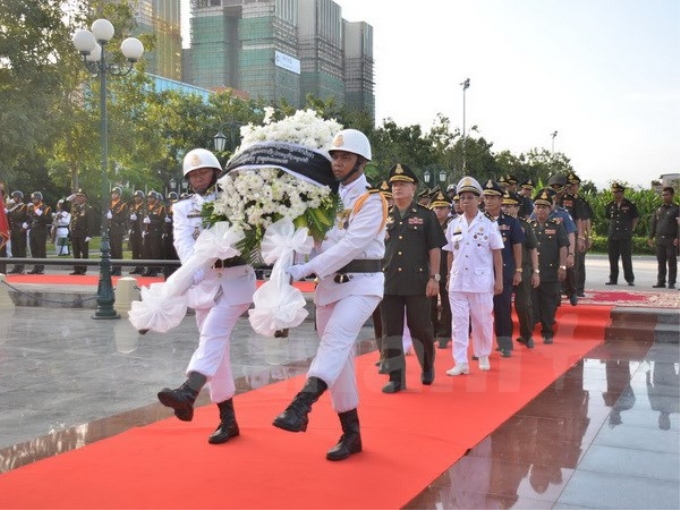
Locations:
(350, 287)
(231, 282)
(475, 275)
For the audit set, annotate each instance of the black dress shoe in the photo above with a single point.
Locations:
(547, 340)
(631, 284)
(581, 294)
(506, 353)
(392, 387)
(573, 300)
(660, 286)
(427, 377)
(671, 285)
(610, 283)
(74, 273)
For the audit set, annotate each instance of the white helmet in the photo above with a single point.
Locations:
(351, 140)
(199, 158)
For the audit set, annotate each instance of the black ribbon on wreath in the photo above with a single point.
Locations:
(307, 163)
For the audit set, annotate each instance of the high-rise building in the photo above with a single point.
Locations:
(358, 67)
(281, 49)
(320, 40)
(162, 18)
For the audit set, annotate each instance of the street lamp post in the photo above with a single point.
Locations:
(426, 177)
(91, 46)
(465, 85)
(552, 153)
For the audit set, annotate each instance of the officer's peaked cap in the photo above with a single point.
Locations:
(400, 172)
(469, 184)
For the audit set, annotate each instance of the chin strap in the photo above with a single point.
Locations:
(354, 170)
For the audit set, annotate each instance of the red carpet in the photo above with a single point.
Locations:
(92, 279)
(409, 439)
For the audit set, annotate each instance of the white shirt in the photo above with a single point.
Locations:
(472, 244)
(357, 236)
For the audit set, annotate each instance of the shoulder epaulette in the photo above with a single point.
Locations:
(185, 197)
(490, 217)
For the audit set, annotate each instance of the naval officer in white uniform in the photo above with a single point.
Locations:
(475, 275)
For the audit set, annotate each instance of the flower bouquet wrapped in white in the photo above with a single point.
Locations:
(279, 190)
(276, 198)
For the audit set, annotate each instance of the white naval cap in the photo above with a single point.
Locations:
(469, 184)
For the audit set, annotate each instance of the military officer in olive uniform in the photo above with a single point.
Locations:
(17, 215)
(552, 243)
(136, 209)
(412, 263)
(623, 219)
(441, 307)
(526, 205)
(529, 272)
(663, 234)
(118, 217)
(154, 221)
(586, 212)
(40, 219)
(82, 229)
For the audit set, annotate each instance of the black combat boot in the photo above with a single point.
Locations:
(350, 441)
(182, 399)
(228, 427)
(294, 418)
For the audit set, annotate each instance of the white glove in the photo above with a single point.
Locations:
(87, 239)
(133, 217)
(6, 211)
(168, 219)
(199, 276)
(38, 212)
(298, 271)
(109, 215)
(146, 220)
(24, 225)
(71, 198)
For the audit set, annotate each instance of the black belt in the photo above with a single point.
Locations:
(362, 266)
(232, 262)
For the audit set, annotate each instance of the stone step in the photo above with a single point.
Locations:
(644, 325)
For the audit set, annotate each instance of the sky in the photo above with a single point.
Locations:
(603, 74)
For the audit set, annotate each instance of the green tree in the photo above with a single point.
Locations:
(35, 56)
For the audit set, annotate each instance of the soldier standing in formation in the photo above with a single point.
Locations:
(169, 251)
(412, 274)
(663, 234)
(82, 229)
(118, 217)
(17, 215)
(552, 243)
(623, 219)
(136, 229)
(154, 223)
(475, 276)
(60, 226)
(39, 220)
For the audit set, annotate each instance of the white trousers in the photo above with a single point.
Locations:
(478, 307)
(61, 241)
(211, 358)
(338, 325)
